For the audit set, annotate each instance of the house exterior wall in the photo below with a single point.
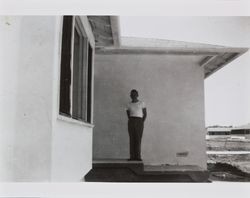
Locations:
(172, 87)
(36, 144)
(71, 140)
(27, 58)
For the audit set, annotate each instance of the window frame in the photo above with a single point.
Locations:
(78, 25)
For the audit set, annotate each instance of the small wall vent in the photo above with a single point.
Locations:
(182, 154)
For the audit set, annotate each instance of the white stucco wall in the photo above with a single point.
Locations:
(172, 87)
(71, 151)
(35, 144)
(27, 57)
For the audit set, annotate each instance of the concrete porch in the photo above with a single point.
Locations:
(113, 170)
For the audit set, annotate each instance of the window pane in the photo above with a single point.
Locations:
(84, 79)
(89, 83)
(76, 76)
(79, 75)
(65, 76)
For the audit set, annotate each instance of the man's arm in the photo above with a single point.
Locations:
(128, 114)
(144, 110)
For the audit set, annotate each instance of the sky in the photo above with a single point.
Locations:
(227, 95)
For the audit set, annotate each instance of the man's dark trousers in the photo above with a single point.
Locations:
(135, 130)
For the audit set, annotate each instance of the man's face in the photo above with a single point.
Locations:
(133, 95)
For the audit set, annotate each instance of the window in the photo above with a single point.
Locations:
(76, 71)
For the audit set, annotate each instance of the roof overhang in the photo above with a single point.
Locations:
(219, 129)
(108, 41)
(106, 30)
(213, 63)
(212, 57)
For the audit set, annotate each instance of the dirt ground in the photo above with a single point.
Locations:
(227, 166)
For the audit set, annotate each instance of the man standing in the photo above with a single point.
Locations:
(137, 113)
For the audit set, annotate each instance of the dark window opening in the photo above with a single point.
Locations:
(76, 71)
(90, 51)
(65, 76)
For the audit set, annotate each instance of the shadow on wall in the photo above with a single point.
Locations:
(169, 128)
(109, 145)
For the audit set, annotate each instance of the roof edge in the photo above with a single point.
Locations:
(170, 50)
(217, 62)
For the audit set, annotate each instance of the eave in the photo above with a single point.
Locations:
(106, 30)
(212, 57)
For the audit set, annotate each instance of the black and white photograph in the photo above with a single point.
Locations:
(105, 99)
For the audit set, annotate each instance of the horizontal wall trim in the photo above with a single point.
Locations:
(73, 121)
